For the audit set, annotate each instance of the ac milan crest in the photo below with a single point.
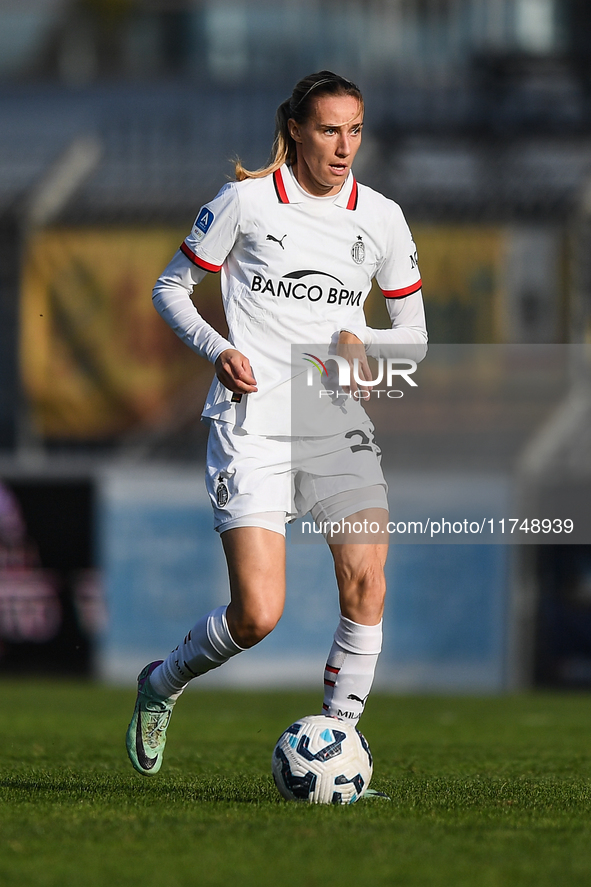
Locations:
(222, 493)
(358, 251)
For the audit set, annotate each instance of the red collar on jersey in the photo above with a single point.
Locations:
(283, 198)
(280, 187)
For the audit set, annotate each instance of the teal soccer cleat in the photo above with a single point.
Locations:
(146, 734)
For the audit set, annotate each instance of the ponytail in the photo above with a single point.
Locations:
(298, 107)
(283, 149)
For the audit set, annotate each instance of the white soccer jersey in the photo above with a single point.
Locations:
(295, 269)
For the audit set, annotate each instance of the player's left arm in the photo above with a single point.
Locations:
(407, 316)
(406, 338)
(408, 331)
(399, 279)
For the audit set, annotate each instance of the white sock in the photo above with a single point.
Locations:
(208, 645)
(350, 668)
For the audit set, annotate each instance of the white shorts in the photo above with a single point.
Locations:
(260, 481)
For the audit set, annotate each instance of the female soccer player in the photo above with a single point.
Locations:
(298, 244)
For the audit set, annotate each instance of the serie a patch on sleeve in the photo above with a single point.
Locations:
(202, 223)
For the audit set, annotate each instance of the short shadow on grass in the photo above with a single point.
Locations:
(135, 790)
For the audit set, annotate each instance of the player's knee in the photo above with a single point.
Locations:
(362, 579)
(251, 629)
(363, 590)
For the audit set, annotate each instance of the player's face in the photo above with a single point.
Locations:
(327, 143)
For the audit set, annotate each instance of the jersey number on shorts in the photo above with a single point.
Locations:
(364, 445)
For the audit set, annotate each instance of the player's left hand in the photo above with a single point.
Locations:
(353, 349)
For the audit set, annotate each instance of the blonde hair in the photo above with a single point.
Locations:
(298, 107)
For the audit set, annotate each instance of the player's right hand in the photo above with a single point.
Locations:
(234, 372)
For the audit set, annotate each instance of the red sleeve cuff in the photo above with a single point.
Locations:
(201, 263)
(405, 291)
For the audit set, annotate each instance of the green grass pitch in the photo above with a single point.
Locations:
(484, 791)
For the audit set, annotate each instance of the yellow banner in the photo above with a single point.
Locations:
(463, 273)
(97, 360)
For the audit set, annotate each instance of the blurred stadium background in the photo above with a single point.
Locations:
(118, 118)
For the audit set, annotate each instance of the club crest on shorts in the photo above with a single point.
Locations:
(222, 492)
(358, 251)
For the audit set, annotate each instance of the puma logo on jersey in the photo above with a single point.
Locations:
(280, 242)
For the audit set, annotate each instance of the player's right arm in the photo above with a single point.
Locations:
(204, 250)
(172, 299)
(234, 371)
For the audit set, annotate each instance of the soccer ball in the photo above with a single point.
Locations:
(322, 760)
